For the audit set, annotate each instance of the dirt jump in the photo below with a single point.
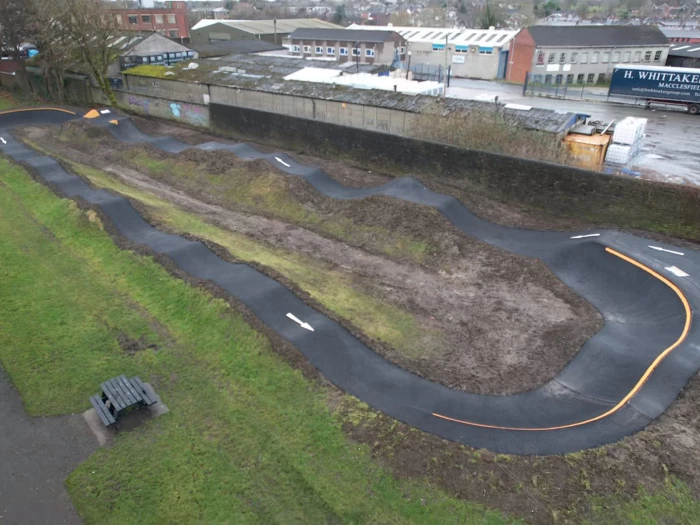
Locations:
(623, 377)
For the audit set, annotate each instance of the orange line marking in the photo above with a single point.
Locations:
(36, 109)
(642, 380)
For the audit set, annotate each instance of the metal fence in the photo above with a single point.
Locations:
(567, 86)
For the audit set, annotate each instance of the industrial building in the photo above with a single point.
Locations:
(343, 45)
(272, 31)
(471, 53)
(684, 55)
(582, 54)
(170, 21)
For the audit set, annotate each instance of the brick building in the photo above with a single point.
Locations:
(582, 54)
(170, 21)
(362, 46)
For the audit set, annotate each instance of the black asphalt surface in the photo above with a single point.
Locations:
(614, 380)
(36, 456)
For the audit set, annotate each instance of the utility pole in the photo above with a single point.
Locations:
(444, 89)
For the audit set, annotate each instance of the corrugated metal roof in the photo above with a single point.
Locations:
(343, 35)
(233, 47)
(685, 50)
(265, 27)
(680, 33)
(495, 37)
(153, 44)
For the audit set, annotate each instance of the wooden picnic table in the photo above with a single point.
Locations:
(120, 395)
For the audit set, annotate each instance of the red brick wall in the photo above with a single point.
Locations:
(177, 9)
(522, 50)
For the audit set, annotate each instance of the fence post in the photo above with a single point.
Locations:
(527, 78)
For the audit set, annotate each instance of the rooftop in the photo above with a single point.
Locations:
(685, 50)
(233, 47)
(492, 37)
(680, 33)
(246, 75)
(375, 36)
(597, 36)
(265, 27)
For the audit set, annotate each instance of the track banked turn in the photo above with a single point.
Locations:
(624, 377)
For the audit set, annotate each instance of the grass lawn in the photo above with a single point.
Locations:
(248, 439)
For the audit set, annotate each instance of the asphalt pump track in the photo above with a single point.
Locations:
(623, 377)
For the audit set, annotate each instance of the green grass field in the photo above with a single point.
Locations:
(247, 439)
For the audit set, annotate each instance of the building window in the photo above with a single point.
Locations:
(369, 53)
(569, 79)
(438, 47)
(606, 57)
(485, 50)
(626, 57)
(552, 58)
(343, 51)
(591, 78)
(580, 78)
(307, 49)
(657, 56)
(319, 50)
(295, 49)
(584, 58)
(540, 58)
(171, 19)
(647, 56)
(402, 50)
(616, 57)
(548, 79)
(356, 51)
(173, 33)
(118, 19)
(637, 56)
(558, 79)
(601, 78)
(133, 19)
(159, 19)
(562, 58)
(594, 57)
(465, 49)
(574, 57)
(146, 19)
(330, 50)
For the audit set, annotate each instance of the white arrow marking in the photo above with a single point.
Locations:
(298, 321)
(676, 271)
(3, 140)
(281, 161)
(584, 236)
(665, 250)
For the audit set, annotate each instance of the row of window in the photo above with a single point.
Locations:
(464, 49)
(343, 51)
(595, 57)
(164, 58)
(146, 19)
(582, 78)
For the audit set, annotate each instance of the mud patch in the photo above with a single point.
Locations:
(132, 346)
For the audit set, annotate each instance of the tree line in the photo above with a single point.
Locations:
(69, 34)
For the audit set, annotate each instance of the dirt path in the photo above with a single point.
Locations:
(36, 456)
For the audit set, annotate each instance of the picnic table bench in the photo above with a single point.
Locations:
(120, 395)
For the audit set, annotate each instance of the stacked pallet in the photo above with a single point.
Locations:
(627, 141)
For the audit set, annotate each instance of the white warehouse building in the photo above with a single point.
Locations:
(471, 53)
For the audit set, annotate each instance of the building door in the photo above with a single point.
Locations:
(502, 63)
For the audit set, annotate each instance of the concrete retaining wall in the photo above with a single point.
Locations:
(184, 112)
(564, 191)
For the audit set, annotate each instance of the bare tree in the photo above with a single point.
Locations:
(15, 26)
(92, 30)
(54, 49)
